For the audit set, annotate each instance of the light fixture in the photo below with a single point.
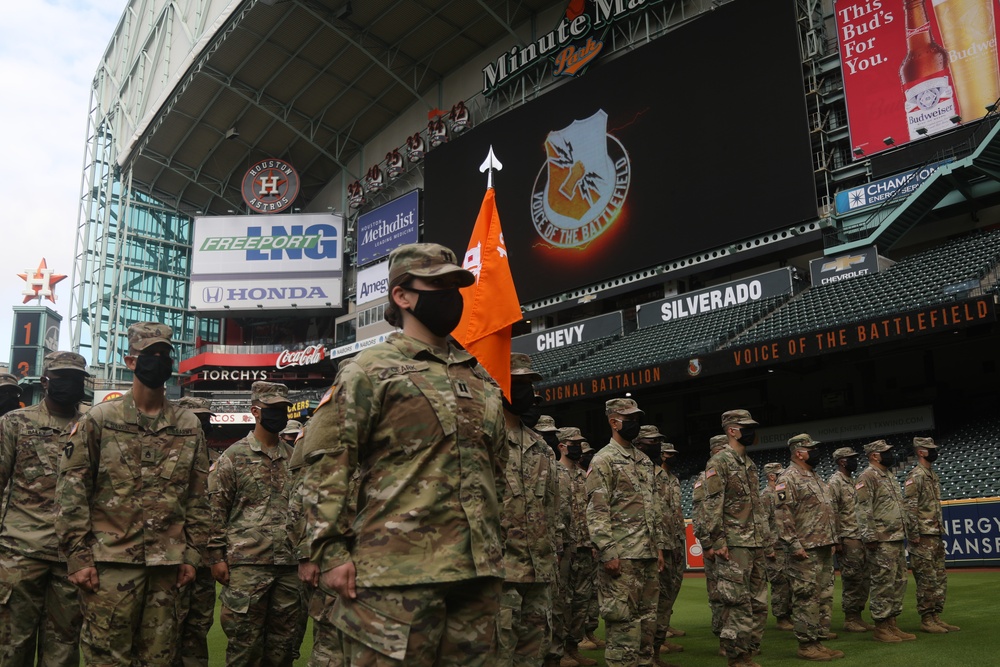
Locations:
(859, 152)
(921, 131)
(628, 394)
(888, 141)
(956, 119)
(232, 133)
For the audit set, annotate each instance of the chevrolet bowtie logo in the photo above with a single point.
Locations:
(843, 263)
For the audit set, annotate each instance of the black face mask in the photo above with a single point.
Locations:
(586, 459)
(931, 455)
(851, 464)
(207, 427)
(629, 429)
(153, 370)
(888, 458)
(650, 450)
(668, 460)
(9, 401)
(274, 420)
(552, 440)
(574, 452)
(438, 310)
(66, 391)
(523, 403)
(747, 436)
(810, 459)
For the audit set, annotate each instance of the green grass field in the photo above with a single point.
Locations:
(973, 604)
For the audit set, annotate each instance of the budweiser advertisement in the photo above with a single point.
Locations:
(915, 68)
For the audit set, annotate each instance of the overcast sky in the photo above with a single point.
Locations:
(49, 52)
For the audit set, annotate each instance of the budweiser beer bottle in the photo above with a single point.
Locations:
(930, 103)
(968, 32)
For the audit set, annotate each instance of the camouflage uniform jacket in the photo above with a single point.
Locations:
(698, 524)
(880, 507)
(803, 511)
(622, 510)
(248, 491)
(767, 499)
(669, 488)
(425, 430)
(532, 529)
(31, 441)
(734, 514)
(843, 495)
(573, 487)
(922, 492)
(130, 493)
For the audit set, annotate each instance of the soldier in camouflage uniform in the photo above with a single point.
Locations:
(197, 601)
(806, 526)
(625, 527)
(853, 555)
(716, 444)
(588, 563)
(249, 547)
(418, 565)
(737, 537)
(10, 393)
(532, 528)
(922, 493)
(883, 525)
(134, 514)
(775, 558)
(651, 442)
(576, 584)
(291, 432)
(36, 597)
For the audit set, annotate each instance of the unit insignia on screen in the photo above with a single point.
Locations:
(581, 188)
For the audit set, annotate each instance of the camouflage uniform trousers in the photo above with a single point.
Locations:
(580, 595)
(432, 625)
(812, 593)
(743, 593)
(327, 650)
(260, 614)
(524, 626)
(197, 614)
(887, 573)
(670, 585)
(853, 575)
(37, 601)
(628, 605)
(714, 601)
(927, 561)
(781, 587)
(592, 613)
(133, 618)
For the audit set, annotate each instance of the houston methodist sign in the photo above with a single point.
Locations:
(242, 263)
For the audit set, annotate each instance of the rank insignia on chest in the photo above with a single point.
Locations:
(148, 455)
(710, 473)
(462, 389)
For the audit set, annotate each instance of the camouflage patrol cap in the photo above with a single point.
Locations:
(143, 334)
(426, 260)
(649, 432)
(65, 361)
(622, 406)
(269, 393)
(801, 441)
(843, 453)
(199, 406)
(717, 442)
(877, 446)
(568, 433)
(520, 366)
(924, 442)
(738, 417)
(546, 424)
(667, 448)
(585, 447)
(8, 380)
(294, 426)
(772, 468)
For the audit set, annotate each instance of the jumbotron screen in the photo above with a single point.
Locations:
(695, 140)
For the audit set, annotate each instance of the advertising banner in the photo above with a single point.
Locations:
(972, 531)
(245, 263)
(915, 68)
(826, 270)
(571, 334)
(601, 178)
(388, 227)
(745, 290)
(373, 283)
(877, 192)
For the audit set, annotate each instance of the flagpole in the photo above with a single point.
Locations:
(491, 163)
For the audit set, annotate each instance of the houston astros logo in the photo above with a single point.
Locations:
(579, 192)
(270, 186)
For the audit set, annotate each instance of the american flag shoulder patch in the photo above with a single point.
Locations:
(780, 487)
(908, 482)
(72, 431)
(326, 398)
(710, 473)
(697, 485)
(859, 485)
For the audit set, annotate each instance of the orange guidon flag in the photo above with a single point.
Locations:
(491, 304)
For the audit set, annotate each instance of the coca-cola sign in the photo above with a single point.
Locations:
(310, 355)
